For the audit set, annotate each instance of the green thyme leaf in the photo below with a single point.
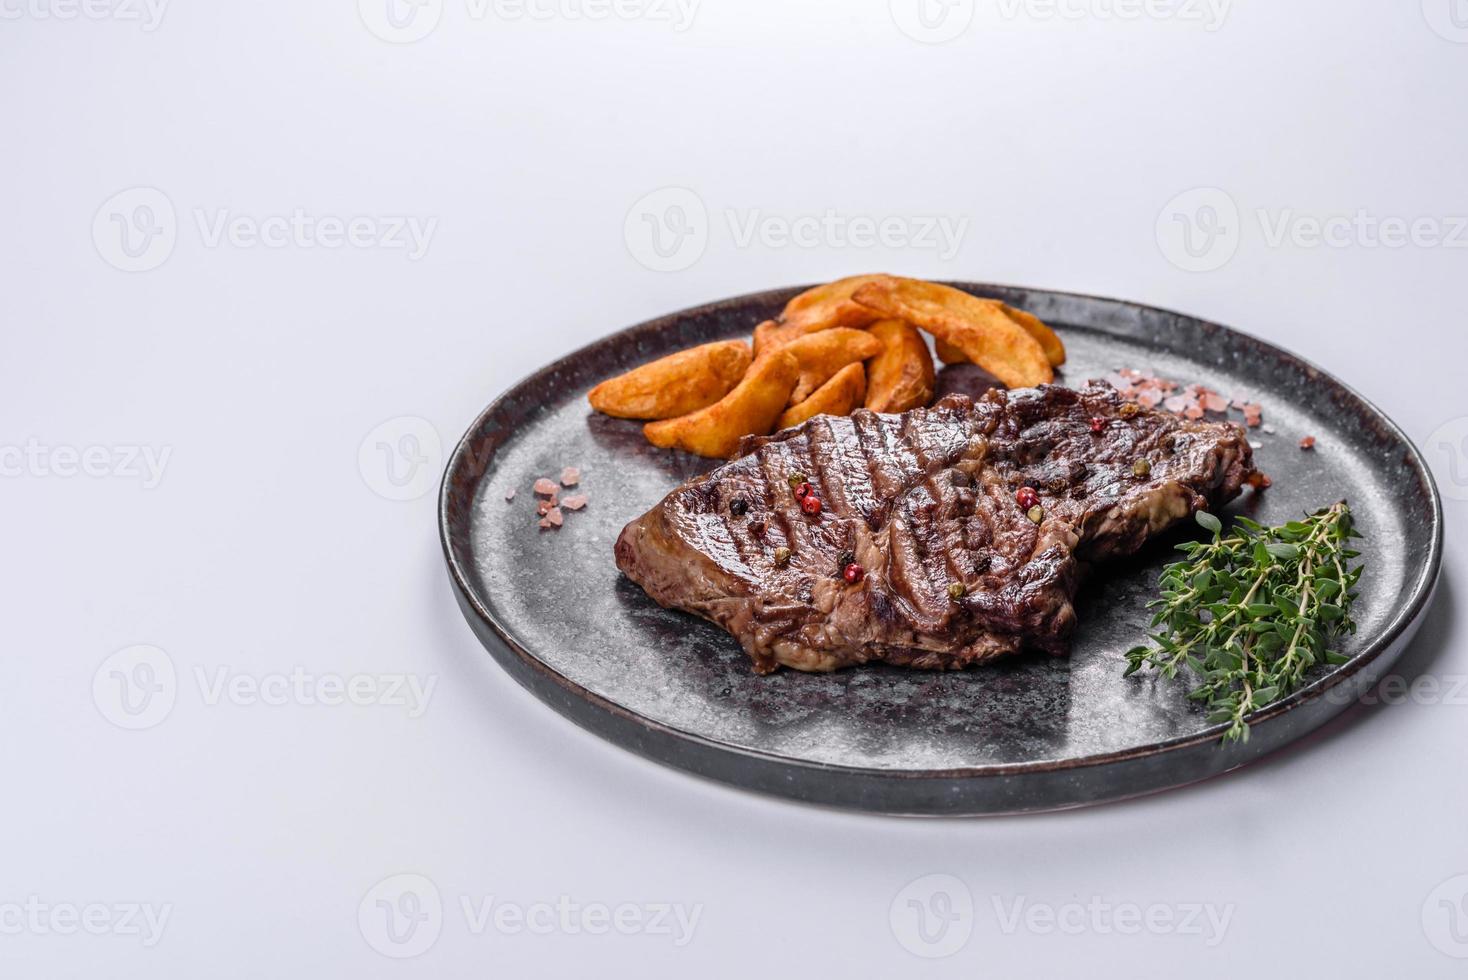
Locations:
(1249, 614)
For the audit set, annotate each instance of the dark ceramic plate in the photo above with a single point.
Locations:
(1031, 734)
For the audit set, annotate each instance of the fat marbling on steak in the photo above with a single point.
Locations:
(924, 500)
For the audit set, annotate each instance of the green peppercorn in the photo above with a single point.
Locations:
(1036, 513)
(1142, 468)
(782, 557)
(795, 480)
(956, 590)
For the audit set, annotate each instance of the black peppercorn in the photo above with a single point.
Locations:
(738, 506)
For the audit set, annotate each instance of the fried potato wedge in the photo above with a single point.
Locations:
(767, 337)
(949, 354)
(822, 354)
(750, 409)
(1049, 342)
(978, 327)
(1054, 349)
(820, 308)
(674, 385)
(901, 375)
(844, 392)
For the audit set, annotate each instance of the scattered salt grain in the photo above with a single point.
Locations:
(510, 495)
(1307, 443)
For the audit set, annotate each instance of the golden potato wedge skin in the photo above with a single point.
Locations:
(750, 409)
(766, 337)
(674, 385)
(845, 391)
(949, 354)
(829, 305)
(1052, 345)
(1049, 341)
(820, 308)
(979, 327)
(901, 376)
(822, 354)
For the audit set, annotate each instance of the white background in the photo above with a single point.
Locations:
(266, 545)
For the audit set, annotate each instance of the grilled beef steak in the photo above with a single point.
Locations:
(958, 569)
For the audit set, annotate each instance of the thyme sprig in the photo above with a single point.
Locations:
(1249, 614)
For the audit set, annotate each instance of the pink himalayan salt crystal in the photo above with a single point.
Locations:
(510, 495)
(545, 486)
(574, 502)
(552, 518)
(570, 476)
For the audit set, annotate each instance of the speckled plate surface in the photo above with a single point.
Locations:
(1030, 734)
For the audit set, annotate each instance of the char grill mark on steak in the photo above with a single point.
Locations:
(924, 500)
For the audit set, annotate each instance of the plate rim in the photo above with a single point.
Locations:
(1405, 620)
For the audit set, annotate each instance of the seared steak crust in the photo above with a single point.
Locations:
(926, 501)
